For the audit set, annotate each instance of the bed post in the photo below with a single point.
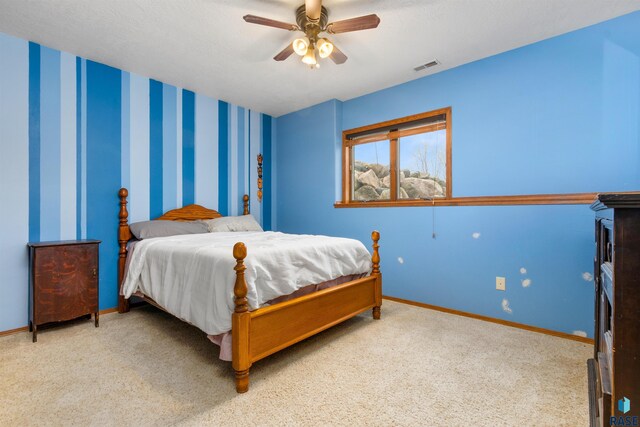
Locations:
(375, 271)
(124, 234)
(241, 319)
(245, 202)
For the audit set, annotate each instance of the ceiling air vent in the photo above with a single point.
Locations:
(427, 65)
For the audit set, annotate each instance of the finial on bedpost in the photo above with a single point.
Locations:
(260, 159)
(240, 288)
(245, 201)
(124, 234)
(375, 258)
(124, 214)
(375, 271)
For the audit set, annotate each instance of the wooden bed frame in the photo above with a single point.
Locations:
(259, 333)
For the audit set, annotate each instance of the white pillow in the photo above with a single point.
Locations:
(233, 223)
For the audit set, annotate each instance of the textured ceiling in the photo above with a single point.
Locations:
(205, 46)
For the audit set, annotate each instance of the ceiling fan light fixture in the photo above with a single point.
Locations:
(312, 19)
(325, 47)
(301, 45)
(310, 57)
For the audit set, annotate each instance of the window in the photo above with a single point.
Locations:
(399, 160)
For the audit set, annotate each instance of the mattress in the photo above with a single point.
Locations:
(192, 276)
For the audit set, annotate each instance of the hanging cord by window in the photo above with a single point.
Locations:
(433, 217)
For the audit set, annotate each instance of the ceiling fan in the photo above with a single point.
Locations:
(312, 20)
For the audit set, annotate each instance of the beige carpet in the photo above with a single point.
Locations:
(414, 367)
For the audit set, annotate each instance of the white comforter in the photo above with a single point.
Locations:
(192, 276)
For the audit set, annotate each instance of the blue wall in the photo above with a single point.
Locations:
(558, 116)
(73, 131)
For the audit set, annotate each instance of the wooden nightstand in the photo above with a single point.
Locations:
(63, 279)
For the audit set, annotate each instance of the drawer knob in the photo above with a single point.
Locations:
(94, 272)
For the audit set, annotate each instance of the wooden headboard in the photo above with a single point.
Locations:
(186, 213)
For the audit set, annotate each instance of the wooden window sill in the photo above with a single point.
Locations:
(532, 199)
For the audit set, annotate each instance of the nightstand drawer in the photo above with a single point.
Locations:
(65, 282)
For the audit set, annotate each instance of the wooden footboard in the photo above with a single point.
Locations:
(257, 334)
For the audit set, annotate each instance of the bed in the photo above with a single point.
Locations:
(259, 332)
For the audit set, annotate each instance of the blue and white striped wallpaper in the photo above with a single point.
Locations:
(74, 131)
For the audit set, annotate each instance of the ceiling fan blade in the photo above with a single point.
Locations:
(286, 52)
(353, 24)
(312, 8)
(252, 19)
(337, 56)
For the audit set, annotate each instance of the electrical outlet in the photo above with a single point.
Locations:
(501, 284)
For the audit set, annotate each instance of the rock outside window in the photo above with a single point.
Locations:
(398, 160)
